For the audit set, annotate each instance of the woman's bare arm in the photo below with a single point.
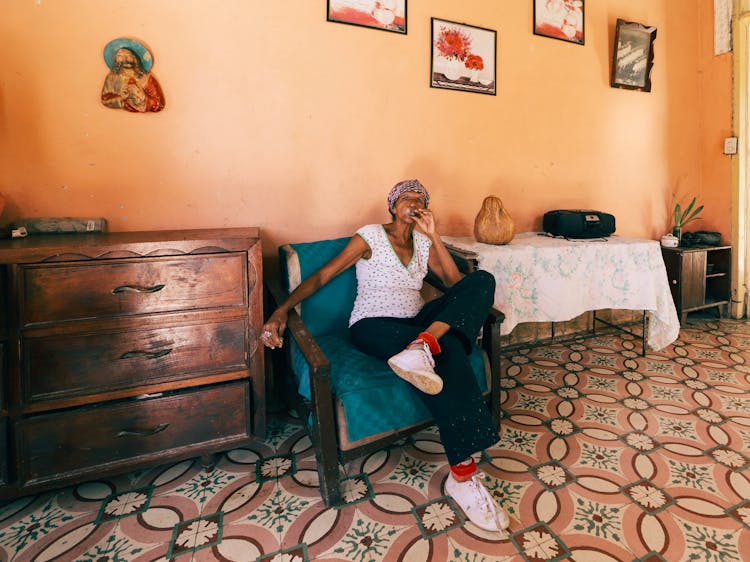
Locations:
(440, 261)
(354, 250)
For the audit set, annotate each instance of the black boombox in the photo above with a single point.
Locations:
(578, 223)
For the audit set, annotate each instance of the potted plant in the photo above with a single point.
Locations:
(683, 217)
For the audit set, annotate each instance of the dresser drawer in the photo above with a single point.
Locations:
(108, 437)
(73, 365)
(92, 289)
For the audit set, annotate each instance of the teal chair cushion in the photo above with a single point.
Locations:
(368, 388)
(365, 385)
(328, 310)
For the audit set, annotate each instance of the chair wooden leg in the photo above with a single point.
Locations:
(492, 336)
(328, 471)
(324, 437)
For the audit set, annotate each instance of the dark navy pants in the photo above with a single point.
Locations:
(459, 410)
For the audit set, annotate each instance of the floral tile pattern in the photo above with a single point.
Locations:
(124, 504)
(438, 516)
(603, 455)
(195, 534)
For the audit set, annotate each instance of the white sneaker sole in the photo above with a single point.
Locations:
(429, 383)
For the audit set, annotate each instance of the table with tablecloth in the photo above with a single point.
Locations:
(550, 279)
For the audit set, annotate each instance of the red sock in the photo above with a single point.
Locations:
(431, 341)
(463, 471)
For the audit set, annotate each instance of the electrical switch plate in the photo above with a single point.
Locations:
(730, 145)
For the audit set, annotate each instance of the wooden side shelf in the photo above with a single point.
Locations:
(699, 278)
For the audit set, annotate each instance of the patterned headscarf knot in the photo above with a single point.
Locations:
(402, 187)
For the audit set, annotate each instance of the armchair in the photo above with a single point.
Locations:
(344, 396)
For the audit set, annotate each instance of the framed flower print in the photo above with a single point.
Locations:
(463, 57)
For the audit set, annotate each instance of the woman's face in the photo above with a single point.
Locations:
(408, 203)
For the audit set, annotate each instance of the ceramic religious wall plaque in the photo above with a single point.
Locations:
(129, 85)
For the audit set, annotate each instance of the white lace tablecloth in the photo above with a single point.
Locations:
(545, 279)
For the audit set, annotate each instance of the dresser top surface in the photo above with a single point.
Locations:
(39, 247)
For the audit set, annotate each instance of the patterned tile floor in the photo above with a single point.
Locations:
(604, 455)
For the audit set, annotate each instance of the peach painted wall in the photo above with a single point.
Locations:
(279, 119)
(715, 111)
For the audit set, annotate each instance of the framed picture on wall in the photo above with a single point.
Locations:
(388, 15)
(560, 19)
(633, 56)
(463, 57)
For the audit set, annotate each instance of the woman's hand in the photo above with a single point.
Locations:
(272, 330)
(425, 222)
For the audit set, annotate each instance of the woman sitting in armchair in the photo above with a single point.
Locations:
(426, 344)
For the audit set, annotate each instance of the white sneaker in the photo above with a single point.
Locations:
(477, 503)
(416, 366)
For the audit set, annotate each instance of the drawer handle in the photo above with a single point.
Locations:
(145, 354)
(137, 289)
(143, 432)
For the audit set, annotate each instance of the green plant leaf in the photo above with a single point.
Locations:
(683, 217)
(695, 213)
(689, 208)
(694, 216)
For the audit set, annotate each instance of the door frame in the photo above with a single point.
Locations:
(740, 180)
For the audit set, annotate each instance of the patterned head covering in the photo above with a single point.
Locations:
(402, 187)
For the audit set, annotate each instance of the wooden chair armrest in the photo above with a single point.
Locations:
(496, 315)
(297, 329)
(310, 349)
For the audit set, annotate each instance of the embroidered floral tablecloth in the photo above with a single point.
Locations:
(546, 279)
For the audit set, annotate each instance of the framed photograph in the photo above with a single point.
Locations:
(389, 15)
(633, 56)
(463, 57)
(560, 19)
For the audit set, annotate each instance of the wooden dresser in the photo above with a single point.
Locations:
(127, 349)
